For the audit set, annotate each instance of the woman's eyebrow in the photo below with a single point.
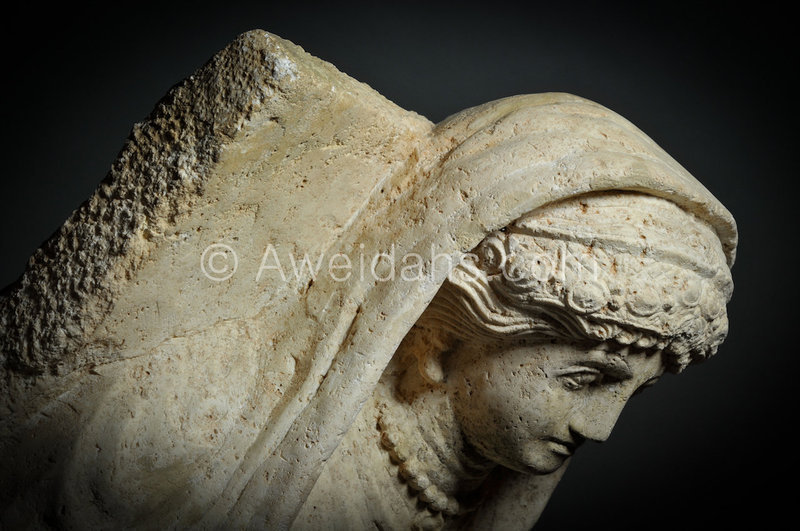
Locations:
(614, 366)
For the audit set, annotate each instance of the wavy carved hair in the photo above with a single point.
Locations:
(620, 266)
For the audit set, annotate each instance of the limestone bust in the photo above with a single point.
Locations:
(562, 263)
(532, 346)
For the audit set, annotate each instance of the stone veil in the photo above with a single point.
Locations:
(135, 389)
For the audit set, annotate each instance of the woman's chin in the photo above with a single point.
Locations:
(543, 470)
(542, 462)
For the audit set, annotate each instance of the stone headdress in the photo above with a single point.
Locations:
(266, 147)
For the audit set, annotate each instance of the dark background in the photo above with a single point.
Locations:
(709, 84)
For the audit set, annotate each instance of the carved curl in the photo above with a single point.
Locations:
(622, 267)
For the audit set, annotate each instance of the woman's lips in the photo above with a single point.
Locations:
(560, 447)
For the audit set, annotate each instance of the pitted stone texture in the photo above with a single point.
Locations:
(137, 390)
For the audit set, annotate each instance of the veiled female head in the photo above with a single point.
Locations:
(554, 322)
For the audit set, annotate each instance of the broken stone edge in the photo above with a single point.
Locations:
(72, 280)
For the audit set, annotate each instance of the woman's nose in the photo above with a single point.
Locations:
(596, 422)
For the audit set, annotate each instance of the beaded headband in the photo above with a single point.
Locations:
(619, 266)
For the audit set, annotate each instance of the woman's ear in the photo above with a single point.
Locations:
(431, 346)
(431, 367)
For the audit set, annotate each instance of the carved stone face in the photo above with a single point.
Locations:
(529, 406)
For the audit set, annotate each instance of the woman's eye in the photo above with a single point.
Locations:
(579, 380)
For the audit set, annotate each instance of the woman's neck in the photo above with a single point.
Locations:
(422, 436)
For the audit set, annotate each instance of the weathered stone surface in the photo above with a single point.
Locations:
(292, 303)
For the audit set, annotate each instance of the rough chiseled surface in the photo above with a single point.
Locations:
(138, 391)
